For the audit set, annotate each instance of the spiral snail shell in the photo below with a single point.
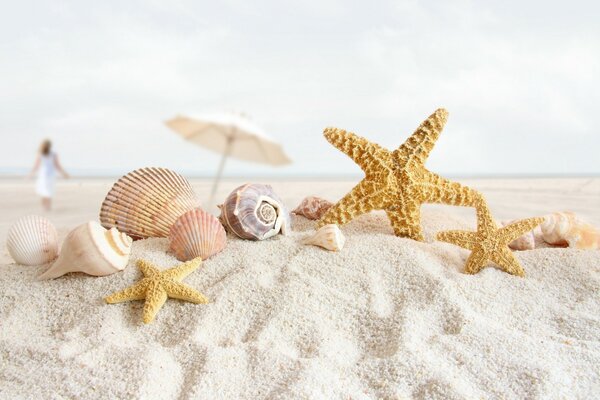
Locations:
(253, 211)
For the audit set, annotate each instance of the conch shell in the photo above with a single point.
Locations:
(329, 237)
(32, 240)
(523, 242)
(91, 249)
(313, 207)
(146, 202)
(196, 234)
(565, 229)
(255, 212)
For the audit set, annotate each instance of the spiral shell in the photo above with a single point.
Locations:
(565, 229)
(255, 212)
(524, 242)
(313, 207)
(329, 237)
(91, 249)
(146, 202)
(196, 234)
(32, 240)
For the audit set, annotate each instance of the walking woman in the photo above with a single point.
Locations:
(46, 165)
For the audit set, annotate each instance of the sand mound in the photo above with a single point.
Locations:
(385, 318)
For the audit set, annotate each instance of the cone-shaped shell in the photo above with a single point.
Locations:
(196, 234)
(91, 249)
(255, 212)
(329, 237)
(146, 202)
(565, 229)
(32, 240)
(313, 207)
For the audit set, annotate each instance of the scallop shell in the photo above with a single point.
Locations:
(91, 249)
(565, 229)
(523, 242)
(146, 202)
(313, 207)
(329, 237)
(196, 234)
(255, 212)
(32, 240)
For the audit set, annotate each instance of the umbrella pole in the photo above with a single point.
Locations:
(220, 172)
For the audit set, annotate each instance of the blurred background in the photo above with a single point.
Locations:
(521, 81)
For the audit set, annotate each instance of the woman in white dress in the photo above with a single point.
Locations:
(46, 165)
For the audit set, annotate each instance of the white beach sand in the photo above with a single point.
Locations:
(385, 318)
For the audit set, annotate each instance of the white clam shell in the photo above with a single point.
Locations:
(329, 237)
(146, 202)
(32, 240)
(91, 249)
(196, 234)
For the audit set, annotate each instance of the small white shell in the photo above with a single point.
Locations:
(91, 249)
(313, 207)
(196, 234)
(32, 240)
(329, 237)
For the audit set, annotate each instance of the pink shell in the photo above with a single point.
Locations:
(565, 228)
(524, 242)
(313, 207)
(196, 234)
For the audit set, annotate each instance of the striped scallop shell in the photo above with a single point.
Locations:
(32, 240)
(313, 207)
(146, 202)
(329, 237)
(196, 234)
(255, 212)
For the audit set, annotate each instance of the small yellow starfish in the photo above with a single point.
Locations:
(396, 181)
(157, 286)
(490, 242)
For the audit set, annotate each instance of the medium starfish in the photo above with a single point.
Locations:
(490, 242)
(396, 181)
(157, 286)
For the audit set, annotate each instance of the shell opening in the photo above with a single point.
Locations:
(267, 213)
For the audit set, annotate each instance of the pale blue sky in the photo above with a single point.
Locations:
(521, 81)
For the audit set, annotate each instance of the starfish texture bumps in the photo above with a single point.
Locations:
(157, 286)
(490, 242)
(396, 181)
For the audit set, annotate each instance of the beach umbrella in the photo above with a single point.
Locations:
(231, 135)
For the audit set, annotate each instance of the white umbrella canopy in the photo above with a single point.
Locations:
(231, 135)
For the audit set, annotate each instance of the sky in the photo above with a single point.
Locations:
(521, 80)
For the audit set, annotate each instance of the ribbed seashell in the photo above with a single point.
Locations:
(329, 237)
(91, 249)
(524, 242)
(313, 207)
(32, 240)
(146, 202)
(566, 229)
(255, 212)
(196, 234)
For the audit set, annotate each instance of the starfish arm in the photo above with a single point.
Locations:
(464, 239)
(476, 261)
(507, 261)
(368, 195)
(419, 145)
(180, 291)
(436, 189)
(364, 153)
(181, 271)
(485, 220)
(155, 298)
(135, 292)
(512, 231)
(407, 221)
(147, 268)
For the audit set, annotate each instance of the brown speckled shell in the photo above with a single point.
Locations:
(313, 207)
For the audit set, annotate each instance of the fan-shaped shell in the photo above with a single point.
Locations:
(565, 229)
(313, 207)
(146, 202)
(255, 212)
(32, 240)
(196, 234)
(329, 237)
(91, 249)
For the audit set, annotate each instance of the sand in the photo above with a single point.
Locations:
(385, 318)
